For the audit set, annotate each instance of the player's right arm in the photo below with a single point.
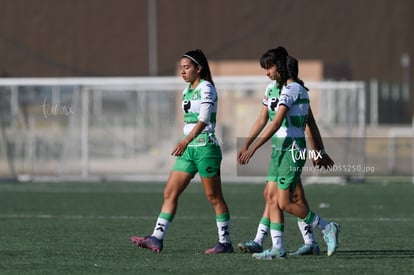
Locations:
(256, 129)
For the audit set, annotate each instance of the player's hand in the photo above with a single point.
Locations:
(245, 156)
(241, 151)
(325, 162)
(179, 149)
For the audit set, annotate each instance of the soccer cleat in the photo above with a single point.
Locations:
(250, 247)
(331, 238)
(270, 254)
(149, 242)
(220, 248)
(137, 240)
(307, 249)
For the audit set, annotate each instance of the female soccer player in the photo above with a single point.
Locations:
(199, 151)
(287, 132)
(310, 245)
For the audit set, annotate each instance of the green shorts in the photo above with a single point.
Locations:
(205, 160)
(285, 168)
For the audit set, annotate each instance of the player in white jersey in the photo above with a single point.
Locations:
(287, 133)
(268, 112)
(198, 152)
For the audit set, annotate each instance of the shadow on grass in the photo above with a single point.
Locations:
(377, 253)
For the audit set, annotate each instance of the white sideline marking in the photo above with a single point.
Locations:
(100, 217)
(70, 217)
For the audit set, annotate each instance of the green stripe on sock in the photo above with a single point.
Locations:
(167, 216)
(265, 221)
(223, 217)
(277, 226)
(309, 218)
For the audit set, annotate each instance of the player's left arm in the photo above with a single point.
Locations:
(316, 142)
(182, 145)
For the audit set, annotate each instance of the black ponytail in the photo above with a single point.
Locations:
(282, 68)
(293, 70)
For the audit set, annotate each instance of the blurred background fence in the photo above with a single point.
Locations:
(124, 128)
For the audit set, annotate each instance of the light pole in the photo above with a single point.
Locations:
(152, 38)
(405, 64)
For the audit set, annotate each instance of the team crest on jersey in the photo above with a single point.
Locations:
(195, 96)
(269, 92)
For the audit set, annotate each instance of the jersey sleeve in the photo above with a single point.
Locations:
(208, 94)
(208, 100)
(288, 95)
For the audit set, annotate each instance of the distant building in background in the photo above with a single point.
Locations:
(334, 40)
(354, 40)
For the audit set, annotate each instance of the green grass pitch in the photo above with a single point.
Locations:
(84, 228)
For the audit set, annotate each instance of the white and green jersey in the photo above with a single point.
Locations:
(296, 98)
(271, 98)
(193, 101)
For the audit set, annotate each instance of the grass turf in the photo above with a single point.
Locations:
(84, 228)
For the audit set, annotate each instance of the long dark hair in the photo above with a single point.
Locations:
(269, 58)
(293, 70)
(288, 67)
(198, 58)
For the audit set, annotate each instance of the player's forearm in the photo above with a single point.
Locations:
(313, 143)
(198, 128)
(313, 133)
(254, 132)
(267, 134)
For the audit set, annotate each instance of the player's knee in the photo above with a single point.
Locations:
(170, 195)
(265, 194)
(214, 199)
(284, 205)
(270, 198)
